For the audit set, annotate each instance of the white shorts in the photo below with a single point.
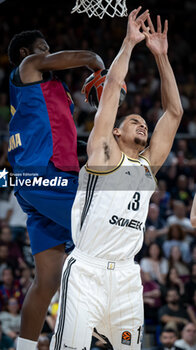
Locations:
(101, 294)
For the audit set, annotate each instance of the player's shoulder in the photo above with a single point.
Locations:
(32, 59)
(30, 68)
(144, 159)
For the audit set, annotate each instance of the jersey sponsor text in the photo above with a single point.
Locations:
(115, 220)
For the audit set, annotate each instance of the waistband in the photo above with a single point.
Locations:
(101, 263)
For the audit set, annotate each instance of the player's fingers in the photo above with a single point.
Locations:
(165, 27)
(136, 12)
(143, 16)
(131, 16)
(144, 28)
(132, 13)
(159, 28)
(150, 24)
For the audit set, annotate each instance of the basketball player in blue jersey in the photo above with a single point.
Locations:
(43, 140)
(101, 284)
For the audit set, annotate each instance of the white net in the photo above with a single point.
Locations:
(101, 7)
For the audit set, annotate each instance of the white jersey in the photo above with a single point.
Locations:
(110, 209)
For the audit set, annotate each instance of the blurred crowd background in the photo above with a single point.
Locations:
(168, 256)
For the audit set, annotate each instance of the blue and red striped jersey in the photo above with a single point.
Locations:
(42, 128)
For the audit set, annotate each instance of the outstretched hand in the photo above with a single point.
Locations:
(134, 25)
(156, 41)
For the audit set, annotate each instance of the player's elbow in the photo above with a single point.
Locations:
(180, 111)
(177, 111)
(94, 61)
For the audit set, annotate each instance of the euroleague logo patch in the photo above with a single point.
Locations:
(147, 172)
(126, 338)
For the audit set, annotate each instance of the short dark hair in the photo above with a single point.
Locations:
(119, 121)
(23, 39)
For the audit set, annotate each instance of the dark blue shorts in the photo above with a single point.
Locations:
(49, 212)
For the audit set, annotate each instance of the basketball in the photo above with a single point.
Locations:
(93, 87)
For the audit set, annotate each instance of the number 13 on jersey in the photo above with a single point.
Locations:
(135, 202)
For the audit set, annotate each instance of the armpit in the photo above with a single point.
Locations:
(106, 151)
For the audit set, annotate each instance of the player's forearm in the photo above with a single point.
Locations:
(70, 59)
(93, 61)
(120, 65)
(108, 106)
(193, 212)
(169, 90)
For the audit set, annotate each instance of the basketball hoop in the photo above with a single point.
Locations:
(101, 7)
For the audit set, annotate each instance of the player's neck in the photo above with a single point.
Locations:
(130, 151)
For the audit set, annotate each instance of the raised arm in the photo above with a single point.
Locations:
(64, 60)
(166, 128)
(193, 212)
(102, 148)
(33, 66)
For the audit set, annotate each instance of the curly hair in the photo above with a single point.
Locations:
(23, 39)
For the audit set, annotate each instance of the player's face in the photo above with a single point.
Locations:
(135, 128)
(40, 46)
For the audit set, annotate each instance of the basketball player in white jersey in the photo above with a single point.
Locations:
(101, 285)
